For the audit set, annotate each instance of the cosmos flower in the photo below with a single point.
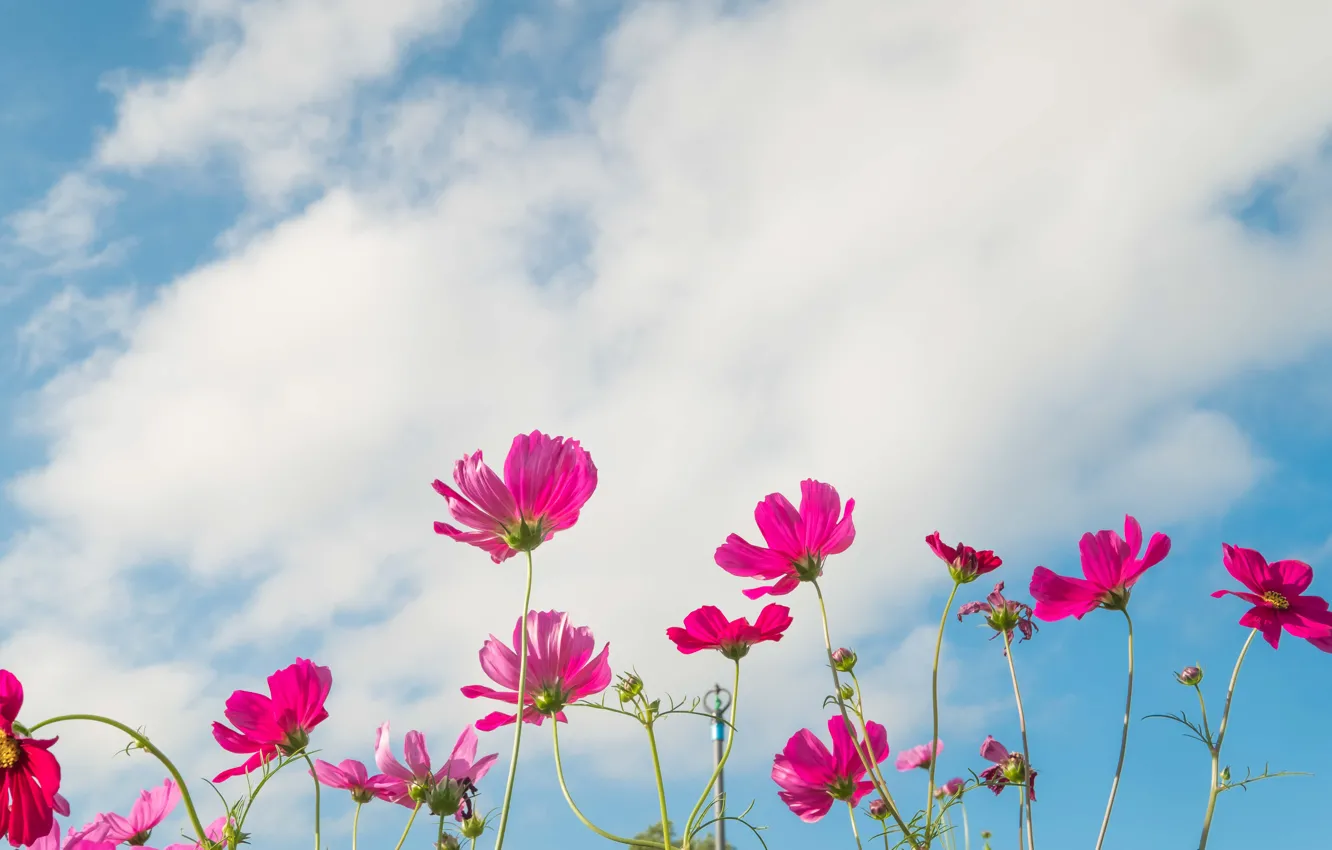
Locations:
(708, 628)
(811, 778)
(1276, 592)
(1110, 565)
(279, 723)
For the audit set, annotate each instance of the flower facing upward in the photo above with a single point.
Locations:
(1110, 565)
(918, 756)
(708, 628)
(547, 480)
(148, 811)
(798, 541)
(1276, 592)
(29, 774)
(279, 723)
(1002, 615)
(560, 669)
(1189, 676)
(1009, 768)
(965, 564)
(351, 775)
(811, 778)
(441, 791)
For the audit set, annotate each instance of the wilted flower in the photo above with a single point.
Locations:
(1009, 768)
(918, 756)
(1111, 567)
(279, 723)
(1278, 598)
(1002, 615)
(708, 628)
(811, 778)
(965, 564)
(1189, 676)
(29, 774)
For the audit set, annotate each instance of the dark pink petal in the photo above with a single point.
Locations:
(415, 752)
(299, 693)
(992, 750)
(1265, 620)
(254, 715)
(946, 553)
(779, 522)
(498, 550)
(500, 663)
(1059, 596)
(1290, 578)
(387, 763)
(592, 678)
(483, 488)
(1247, 566)
(1132, 535)
(741, 558)
(251, 764)
(468, 514)
(11, 700)
(234, 742)
(1100, 563)
(809, 758)
(781, 588)
(708, 625)
(773, 621)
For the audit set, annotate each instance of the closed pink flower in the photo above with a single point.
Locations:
(1276, 592)
(811, 778)
(29, 774)
(443, 791)
(708, 628)
(951, 788)
(1009, 768)
(1110, 565)
(148, 811)
(965, 564)
(351, 775)
(918, 756)
(547, 480)
(560, 669)
(278, 723)
(798, 541)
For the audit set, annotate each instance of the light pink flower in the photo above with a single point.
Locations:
(1009, 768)
(547, 480)
(1111, 566)
(1278, 598)
(811, 777)
(215, 831)
(950, 788)
(29, 774)
(74, 840)
(708, 628)
(965, 564)
(443, 791)
(918, 756)
(798, 541)
(350, 775)
(148, 811)
(560, 669)
(279, 723)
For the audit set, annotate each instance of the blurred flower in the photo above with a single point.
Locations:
(918, 756)
(148, 811)
(351, 775)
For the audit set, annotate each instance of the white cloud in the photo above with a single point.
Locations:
(71, 318)
(64, 226)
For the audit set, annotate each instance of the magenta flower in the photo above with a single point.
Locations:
(798, 542)
(1111, 566)
(1009, 768)
(1002, 615)
(708, 628)
(29, 774)
(1276, 592)
(560, 669)
(215, 832)
(350, 775)
(811, 777)
(547, 480)
(951, 788)
(965, 564)
(148, 811)
(918, 756)
(279, 723)
(445, 791)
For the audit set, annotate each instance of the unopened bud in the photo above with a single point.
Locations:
(629, 687)
(878, 809)
(1225, 774)
(473, 827)
(847, 692)
(1189, 676)
(448, 842)
(844, 660)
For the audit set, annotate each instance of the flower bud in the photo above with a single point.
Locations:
(1225, 773)
(844, 660)
(878, 809)
(1189, 676)
(473, 827)
(1015, 769)
(847, 692)
(448, 842)
(629, 687)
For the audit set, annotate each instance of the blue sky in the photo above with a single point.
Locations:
(974, 277)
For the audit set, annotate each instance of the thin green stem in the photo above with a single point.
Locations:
(1123, 738)
(522, 697)
(408, 828)
(316, 782)
(859, 709)
(1202, 707)
(934, 705)
(439, 838)
(1021, 841)
(1217, 785)
(661, 786)
(854, 829)
(145, 744)
(716, 771)
(966, 827)
(559, 773)
(356, 823)
(1026, 751)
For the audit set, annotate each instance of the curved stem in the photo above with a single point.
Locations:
(316, 782)
(1220, 738)
(356, 823)
(1202, 707)
(408, 828)
(522, 708)
(661, 787)
(1123, 739)
(144, 743)
(854, 830)
(716, 771)
(559, 773)
(1026, 751)
(859, 709)
(863, 747)
(934, 704)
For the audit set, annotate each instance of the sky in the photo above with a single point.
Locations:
(1008, 270)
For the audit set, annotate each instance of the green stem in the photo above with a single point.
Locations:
(408, 829)
(934, 705)
(862, 748)
(144, 743)
(1202, 707)
(1220, 738)
(316, 782)
(559, 773)
(854, 830)
(1026, 751)
(661, 787)
(966, 827)
(356, 822)
(859, 709)
(522, 696)
(716, 771)
(439, 839)
(1123, 739)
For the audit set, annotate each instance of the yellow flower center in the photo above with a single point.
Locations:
(1276, 600)
(9, 751)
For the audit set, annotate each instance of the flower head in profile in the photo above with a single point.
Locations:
(547, 480)
(351, 775)
(1002, 615)
(560, 669)
(215, 832)
(920, 756)
(278, 723)
(29, 774)
(148, 811)
(1276, 592)
(1110, 566)
(951, 788)
(708, 628)
(798, 541)
(811, 778)
(442, 791)
(1009, 768)
(965, 564)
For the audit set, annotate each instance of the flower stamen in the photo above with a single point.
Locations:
(9, 751)
(1276, 600)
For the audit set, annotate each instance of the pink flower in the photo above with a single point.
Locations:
(148, 811)
(798, 541)
(918, 756)
(1009, 768)
(1278, 598)
(277, 724)
(965, 564)
(811, 777)
(1111, 566)
(445, 791)
(29, 774)
(547, 480)
(708, 628)
(75, 840)
(1002, 615)
(951, 788)
(350, 775)
(560, 669)
(215, 831)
